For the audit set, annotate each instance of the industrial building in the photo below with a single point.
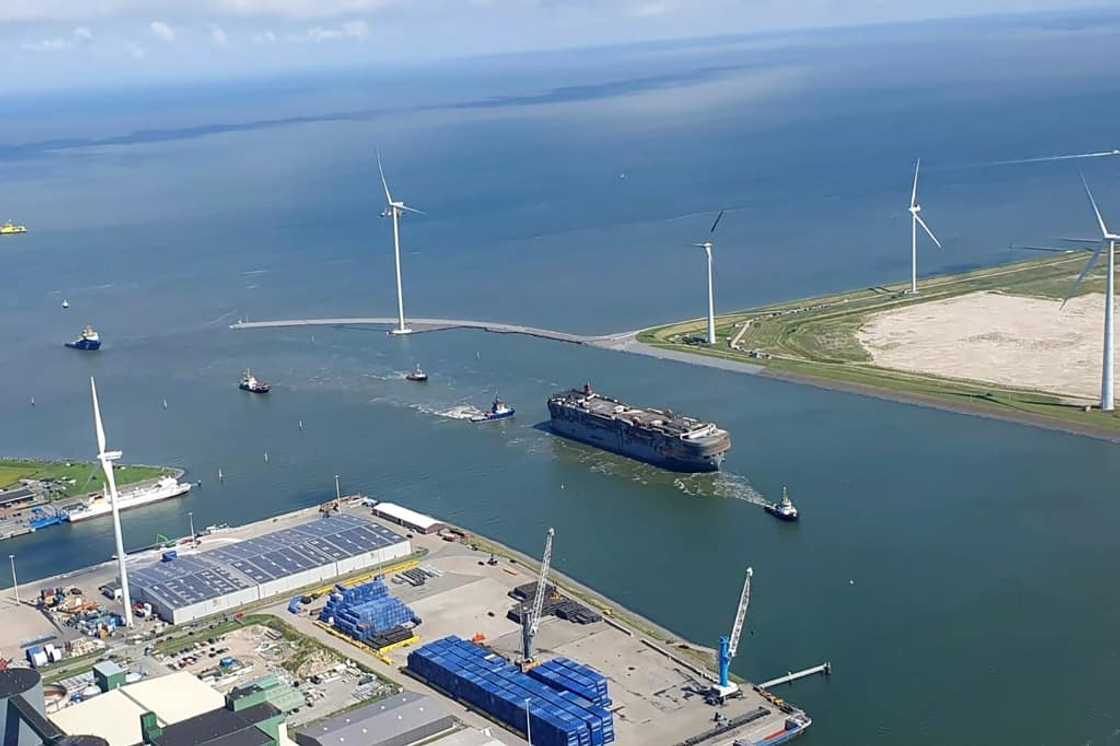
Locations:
(192, 586)
(115, 714)
(401, 720)
(176, 710)
(408, 518)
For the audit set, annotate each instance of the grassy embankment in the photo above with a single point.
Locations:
(75, 478)
(815, 340)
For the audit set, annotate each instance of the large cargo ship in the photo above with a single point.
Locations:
(165, 488)
(661, 438)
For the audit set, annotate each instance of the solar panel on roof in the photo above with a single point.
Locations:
(222, 570)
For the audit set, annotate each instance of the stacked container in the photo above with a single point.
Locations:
(567, 675)
(365, 611)
(558, 716)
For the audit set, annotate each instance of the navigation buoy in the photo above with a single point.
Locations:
(33, 401)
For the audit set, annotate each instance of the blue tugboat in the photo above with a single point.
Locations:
(90, 340)
(499, 410)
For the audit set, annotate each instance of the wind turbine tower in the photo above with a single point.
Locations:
(395, 210)
(1108, 241)
(707, 247)
(915, 221)
(107, 458)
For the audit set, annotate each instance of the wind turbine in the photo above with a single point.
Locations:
(395, 210)
(707, 247)
(1108, 240)
(107, 458)
(916, 220)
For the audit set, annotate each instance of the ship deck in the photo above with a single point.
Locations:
(673, 425)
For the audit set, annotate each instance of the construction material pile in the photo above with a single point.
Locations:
(366, 611)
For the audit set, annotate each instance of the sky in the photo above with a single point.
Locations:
(86, 44)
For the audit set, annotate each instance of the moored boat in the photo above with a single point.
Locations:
(165, 488)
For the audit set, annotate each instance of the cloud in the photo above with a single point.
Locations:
(218, 36)
(162, 30)
(56, 44)
(135, 51)
(75, 10)
(349, 30)
(264, 37)
(80, 35)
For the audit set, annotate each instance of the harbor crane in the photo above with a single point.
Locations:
(729, 644)
(531, 618)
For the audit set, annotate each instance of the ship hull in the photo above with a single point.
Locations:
(615, 439)
(129, 500)
(84, 344)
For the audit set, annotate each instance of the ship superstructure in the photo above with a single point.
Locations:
(659, 437)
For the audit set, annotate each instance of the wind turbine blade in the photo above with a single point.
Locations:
(1089, 266)
(1093, 202)
(914, 192)
(928, 231)
(406, 208)
(718, 218)
(97, 417)
(385, 184)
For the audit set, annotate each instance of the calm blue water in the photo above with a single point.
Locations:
(956, 571)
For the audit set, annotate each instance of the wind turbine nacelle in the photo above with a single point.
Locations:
(111, 455)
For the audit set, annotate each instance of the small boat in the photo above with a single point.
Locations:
(65, 304)
(499, 410)
(90, 340)
(10, 229)
(250, 383)
(417, 375)
(785, 510)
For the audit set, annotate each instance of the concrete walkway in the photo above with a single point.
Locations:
(620, 342)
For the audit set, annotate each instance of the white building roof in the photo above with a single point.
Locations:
(406, 515)
(115, 716)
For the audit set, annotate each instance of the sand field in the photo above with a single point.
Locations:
(1003, 339)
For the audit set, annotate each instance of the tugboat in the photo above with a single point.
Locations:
(90, 340)
(417, 375)
(785, 510)
(250, 383)
(10, 229)
(499, 410)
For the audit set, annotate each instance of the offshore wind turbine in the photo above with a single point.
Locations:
(107, 458)
(395, 210)
(707, 247)
(1108, 241)
(915, 221)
